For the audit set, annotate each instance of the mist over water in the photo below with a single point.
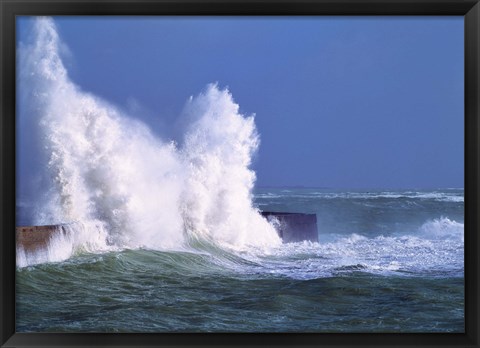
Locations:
(108, 173)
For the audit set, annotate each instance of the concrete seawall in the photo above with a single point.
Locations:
(292, 227)
(33, 238)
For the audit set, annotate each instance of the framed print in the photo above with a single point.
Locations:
(241, 173)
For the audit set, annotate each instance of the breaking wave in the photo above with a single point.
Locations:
(106, 168)
(113, 185)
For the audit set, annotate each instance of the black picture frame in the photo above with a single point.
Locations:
(9, 9)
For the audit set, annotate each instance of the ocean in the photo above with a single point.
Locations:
(165, 234)
(386, 261)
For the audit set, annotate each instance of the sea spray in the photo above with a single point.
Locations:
(106, 166)
(218, 148)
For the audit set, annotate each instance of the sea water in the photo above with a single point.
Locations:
(386, 261)
(166, 236)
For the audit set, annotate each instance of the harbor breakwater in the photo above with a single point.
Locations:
(291, 227)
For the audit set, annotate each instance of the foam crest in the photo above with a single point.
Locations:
(443, 228)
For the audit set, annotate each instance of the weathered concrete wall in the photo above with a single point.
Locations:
(292, 227)
(33, 238)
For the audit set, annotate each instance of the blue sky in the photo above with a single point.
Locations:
(341, 102)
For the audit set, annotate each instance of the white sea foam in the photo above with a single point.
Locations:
(106, 166)
(443, 228)
(435, 248)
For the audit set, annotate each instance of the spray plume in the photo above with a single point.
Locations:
(127, 188)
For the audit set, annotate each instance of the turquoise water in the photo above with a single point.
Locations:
(387, 261)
